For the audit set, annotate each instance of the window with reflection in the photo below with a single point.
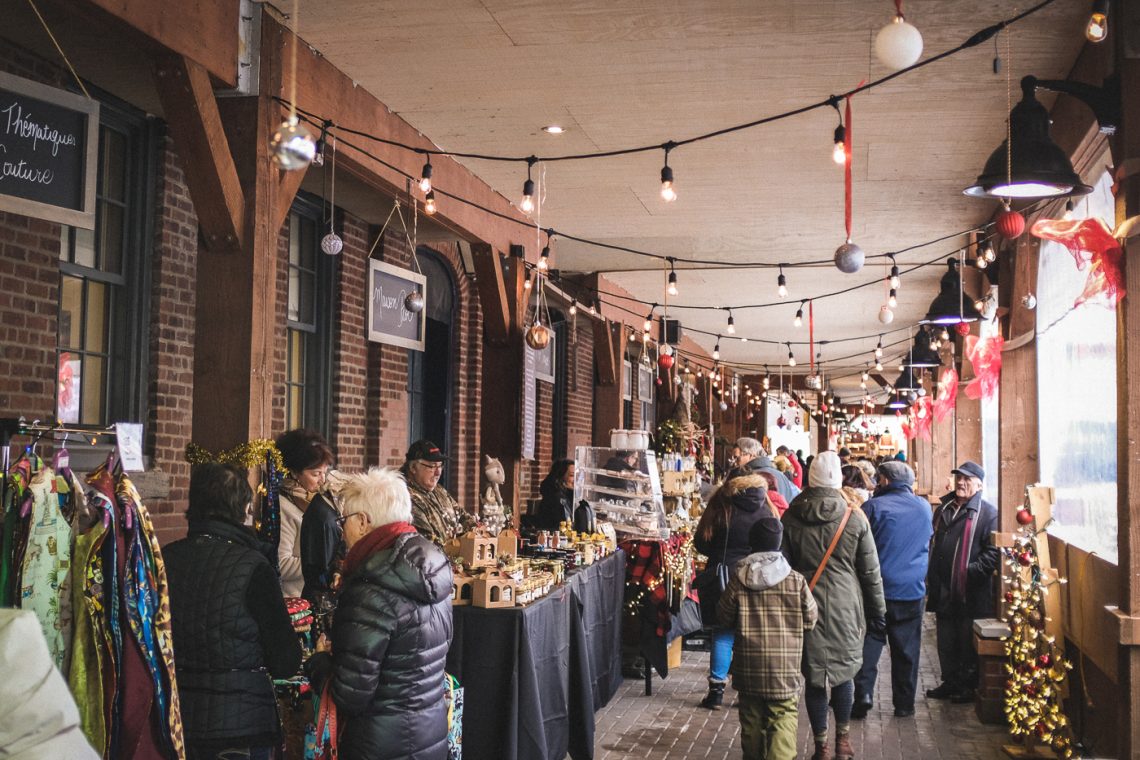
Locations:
(309, 316)
(1076, 387)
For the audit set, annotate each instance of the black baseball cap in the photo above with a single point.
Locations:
(971, 470)
(424, 450)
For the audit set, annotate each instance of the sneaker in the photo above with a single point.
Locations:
(821, 752)
(843, 750)
(944, 691)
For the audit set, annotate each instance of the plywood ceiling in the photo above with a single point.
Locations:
(486, 76)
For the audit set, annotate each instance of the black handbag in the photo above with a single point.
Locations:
(718, 573)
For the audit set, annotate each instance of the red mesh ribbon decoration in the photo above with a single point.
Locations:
(1091, 242)
(947, 396)
(924, 416)
(847, 138)
(985, 355)
(908, 427)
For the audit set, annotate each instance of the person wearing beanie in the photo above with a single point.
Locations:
(769, 606)
(901, 525)
(848, 589)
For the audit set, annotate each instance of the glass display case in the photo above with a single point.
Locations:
(623, 487)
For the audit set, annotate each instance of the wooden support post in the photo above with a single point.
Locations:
(493, 297)
(608, 348)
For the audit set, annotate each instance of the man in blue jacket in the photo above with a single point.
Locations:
(901, 525)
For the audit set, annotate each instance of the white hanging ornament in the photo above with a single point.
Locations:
(292, 146)
(849, 258)
(414, 302)
(898, 44)
(723, 406)
(331, 244)
(886, 316)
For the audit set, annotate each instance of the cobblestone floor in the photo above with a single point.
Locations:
(669, 725)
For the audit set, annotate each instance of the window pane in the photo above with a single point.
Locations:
(96, 332)
(294, 240)
(84, 254)
(94, 383)
(68, 384)
(1076, 387)
(306, 309)
(295, 407)
(70, 312)
(111, 238)
(296, 357)
(114, 165)
(307, 243)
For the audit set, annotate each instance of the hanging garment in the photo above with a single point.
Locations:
(17, 513)
(92, 657)
(46, 566)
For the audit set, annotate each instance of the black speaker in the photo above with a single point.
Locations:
(669, 331)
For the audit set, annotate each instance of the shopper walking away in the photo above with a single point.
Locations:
(901, 526)
(963, 559)
(769, 606)
(831, 544)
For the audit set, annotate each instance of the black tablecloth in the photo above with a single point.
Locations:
(534, 676)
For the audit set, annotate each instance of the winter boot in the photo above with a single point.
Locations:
(821, 751)
(715, 697)
(843, 750)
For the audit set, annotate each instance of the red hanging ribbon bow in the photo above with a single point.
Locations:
(947, 397)
(1091, 242)
(985, 355)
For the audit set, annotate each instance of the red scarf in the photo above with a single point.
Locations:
(378, 540)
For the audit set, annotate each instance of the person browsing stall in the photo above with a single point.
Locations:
(436, 515)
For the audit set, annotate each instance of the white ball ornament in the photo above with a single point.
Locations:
(849, 258)
(331, 244)
(291, 146)
(886, 316)
(898, 45)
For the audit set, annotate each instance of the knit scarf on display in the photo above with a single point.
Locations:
(378, 540)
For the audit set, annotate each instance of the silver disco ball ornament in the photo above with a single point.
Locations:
(724, 406)
(292, 147)
(331, 244)
(849, 258)
(886, 316)
(414, 302)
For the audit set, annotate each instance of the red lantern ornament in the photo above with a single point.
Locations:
(665, 361)
(781, 422)
(1010, 224)
(791, 403)
(962, 328)
(1024, 516)
(1024, 559)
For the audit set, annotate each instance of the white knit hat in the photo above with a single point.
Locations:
(826, 471)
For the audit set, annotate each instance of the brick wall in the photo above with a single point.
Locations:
(170, 387)
(350, 353)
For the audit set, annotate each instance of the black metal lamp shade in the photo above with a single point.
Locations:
(951, 306)
(921, 355)
(907, 381)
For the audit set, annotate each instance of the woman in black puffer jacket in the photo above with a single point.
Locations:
(722, 536)
(391, 629)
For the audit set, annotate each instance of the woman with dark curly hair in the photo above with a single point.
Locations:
(307, 457)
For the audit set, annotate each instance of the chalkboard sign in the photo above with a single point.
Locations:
(49, 146)
(544, 360)
(389, 320)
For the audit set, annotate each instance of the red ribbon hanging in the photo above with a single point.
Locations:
(847, 167)
(1091, 242)
(985, 355)
(898, 8)
(923, 417)
(811, 337)
(947, 396)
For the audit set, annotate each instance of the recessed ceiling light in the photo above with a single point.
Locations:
(553, 129)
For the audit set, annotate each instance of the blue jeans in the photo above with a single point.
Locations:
(721, 658)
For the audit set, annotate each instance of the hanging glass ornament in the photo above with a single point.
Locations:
(849, 258)
(292, 145)
(898, 44)
(886, 316)
(414, 302)
(538, 336)
(331, 244)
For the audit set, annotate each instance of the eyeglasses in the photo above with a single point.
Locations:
(430, 465)
(340, 521)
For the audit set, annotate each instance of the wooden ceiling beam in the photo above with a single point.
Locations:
(492, 286)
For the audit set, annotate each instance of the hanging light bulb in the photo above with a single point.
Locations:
(544, 259)
(782, 284)
(945, 334)
(672, 289)
(716, 350)
(731, 327)
(668, 194)
(791, 356)
(892, 299)
(573, 306)
(700, 372)
(1069, 208)
(878, 366)
(526, 205)
(648, 325)
(526, 282)
(989, 254)
(632, 336)
(839, 151)
(866, 375)
(980, 262)
(429, 202)
(799, 320)
(767, 381)
(1097, 28)
(896, 281)
(879, 348)
(593, 311)
(425, 177)
(743, 339)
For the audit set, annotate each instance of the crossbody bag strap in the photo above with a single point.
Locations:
(830, 549)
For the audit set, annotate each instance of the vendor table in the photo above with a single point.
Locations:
(534, 676)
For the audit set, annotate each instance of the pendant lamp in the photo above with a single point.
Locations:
(897, 403)
(921, 355)
(907, 382)
(951, 306)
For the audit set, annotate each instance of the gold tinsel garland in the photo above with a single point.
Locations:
(1035, 670)
(251, 454)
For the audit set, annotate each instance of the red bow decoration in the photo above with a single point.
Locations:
(923, 417)
(947, 396)
(985, 355)
(908, 428)
(1091, 242)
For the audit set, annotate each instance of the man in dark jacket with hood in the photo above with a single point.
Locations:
(751, 458)
(963, 559)
(901, 525)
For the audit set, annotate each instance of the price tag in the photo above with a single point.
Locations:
(130, 445)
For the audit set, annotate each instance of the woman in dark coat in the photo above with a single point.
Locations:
(391, 629)
(849, 594)
(722, 536)
(230, 627)
(557, 491)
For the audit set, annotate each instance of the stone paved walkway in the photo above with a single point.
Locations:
(669, 725)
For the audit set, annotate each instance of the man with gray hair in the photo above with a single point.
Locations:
(901, 526)
(750, 457)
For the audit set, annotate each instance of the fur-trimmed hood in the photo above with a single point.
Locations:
(733, 486)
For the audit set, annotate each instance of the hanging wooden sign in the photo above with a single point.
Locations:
(49, 149)
(389, 319)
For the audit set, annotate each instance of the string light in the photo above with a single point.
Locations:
(767, 378)
(648, 322)
(879, 348)
(989, 254)
(839, 149)
(731, 327)
(672, 289)
(429, 203)
(791, 356)
(526, 205)
(593, 311)
(668, 194)
(544, 257)
(782, 284)
(892, 299)
(1097, 28)
(896, 281)
(425, 177)
(799, 320)
(632, 336)
(573, 306)
(716, 350)
(878, 366)
(526, 282)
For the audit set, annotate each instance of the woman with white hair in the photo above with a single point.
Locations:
(391, 629)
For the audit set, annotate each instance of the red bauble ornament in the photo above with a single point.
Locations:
(1009, 596)
(791, 404)
(1024, 516)
(962, 328)
(1025, 559)
(665, 361)
(1010, 224)
(1044, 660)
